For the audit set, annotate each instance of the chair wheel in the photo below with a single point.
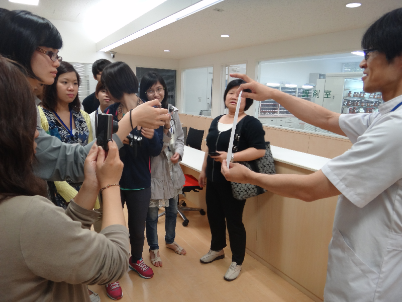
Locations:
(184, 204)
(202, 212)
(185, 223)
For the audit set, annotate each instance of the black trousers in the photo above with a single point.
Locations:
(137, 202)
(223, 209)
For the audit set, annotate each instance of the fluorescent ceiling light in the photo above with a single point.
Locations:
(224, 36)
(29, 2)
(168, 20)
(307, 86)
(290, 85)
(353, 5)
(166, 50)
(273, 84)
(358, 53)
(107, 16)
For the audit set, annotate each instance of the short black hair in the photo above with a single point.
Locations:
(22, 32)
(50, 92)
(385, 35)
(118, 78)
(99, 65)
(147, 81)
(237, 83)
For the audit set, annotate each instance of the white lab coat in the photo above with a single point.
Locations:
(365, 253)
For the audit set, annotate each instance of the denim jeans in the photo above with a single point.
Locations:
(170, 224)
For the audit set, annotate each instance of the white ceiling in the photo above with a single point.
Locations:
(66, 10)
(248, 22)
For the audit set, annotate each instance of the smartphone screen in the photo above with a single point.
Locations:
(214, 154)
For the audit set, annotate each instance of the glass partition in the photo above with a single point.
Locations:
(331, 81)
(197, 91)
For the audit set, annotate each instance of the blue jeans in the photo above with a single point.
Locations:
(170, 224)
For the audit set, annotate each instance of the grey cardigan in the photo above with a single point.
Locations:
(59, 161)
(48, 254)
(163, 185)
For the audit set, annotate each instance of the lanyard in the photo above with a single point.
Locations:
(71, 124)
(397, 106)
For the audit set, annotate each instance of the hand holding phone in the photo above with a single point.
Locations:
(214, 153)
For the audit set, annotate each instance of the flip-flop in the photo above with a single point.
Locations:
(156, 258)
(176, 248)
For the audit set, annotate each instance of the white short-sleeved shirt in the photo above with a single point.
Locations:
(365, 253)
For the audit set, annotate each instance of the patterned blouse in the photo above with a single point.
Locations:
(80, 136)
(81, 131)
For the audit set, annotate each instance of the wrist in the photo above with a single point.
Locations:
(90, 186)
(109, 186)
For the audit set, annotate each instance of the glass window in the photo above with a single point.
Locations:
(331, 81)
(197, 91)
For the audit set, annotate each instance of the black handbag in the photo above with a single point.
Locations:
(263, 165)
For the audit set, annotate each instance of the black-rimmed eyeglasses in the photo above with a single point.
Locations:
(366, 53)
(52, 55)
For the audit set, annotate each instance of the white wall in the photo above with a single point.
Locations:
(340, 42)
(78, 47)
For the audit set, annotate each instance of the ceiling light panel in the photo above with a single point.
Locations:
(28, 2)
(168, 20)
(107, 16)
(353, 5)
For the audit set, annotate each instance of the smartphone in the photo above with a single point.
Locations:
(214, 153)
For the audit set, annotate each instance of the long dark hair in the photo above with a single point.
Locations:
(50, 92)
(147, 81)
(18, 124)
(22, 32)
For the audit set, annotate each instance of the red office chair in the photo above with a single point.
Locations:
(191, 184)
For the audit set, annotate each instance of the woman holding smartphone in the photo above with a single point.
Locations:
(50, 254)
(34, 42)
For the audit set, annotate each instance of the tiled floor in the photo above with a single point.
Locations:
(184, 278)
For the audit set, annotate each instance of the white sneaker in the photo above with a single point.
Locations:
(233, 272)
(94, 297)
(212, 256)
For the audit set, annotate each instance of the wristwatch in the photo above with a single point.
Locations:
(232, 158)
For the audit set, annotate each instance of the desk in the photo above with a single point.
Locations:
(298, 159)
(193, 158)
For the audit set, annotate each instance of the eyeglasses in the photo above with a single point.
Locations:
(52, 55)
(152, 92)
(366, 52)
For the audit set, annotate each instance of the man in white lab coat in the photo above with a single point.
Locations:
(365, 253)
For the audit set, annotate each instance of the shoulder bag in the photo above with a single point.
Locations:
(263, 165)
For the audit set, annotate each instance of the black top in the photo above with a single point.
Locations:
(90, 103)
(251, 136)
(137, 169)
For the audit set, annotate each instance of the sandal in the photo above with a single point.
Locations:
(156, 258)
(176, 248)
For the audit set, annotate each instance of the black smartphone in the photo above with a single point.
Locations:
(214, 153)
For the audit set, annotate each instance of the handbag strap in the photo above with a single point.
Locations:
(238, 128)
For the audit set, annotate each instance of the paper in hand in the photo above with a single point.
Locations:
(229, 156)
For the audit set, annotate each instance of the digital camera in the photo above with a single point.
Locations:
(105, 127)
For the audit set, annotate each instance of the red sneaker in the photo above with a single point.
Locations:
(114, 291)
(141, 268)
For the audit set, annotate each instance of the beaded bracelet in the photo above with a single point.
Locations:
(108, 186)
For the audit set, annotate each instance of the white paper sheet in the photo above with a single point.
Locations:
(229, 156)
